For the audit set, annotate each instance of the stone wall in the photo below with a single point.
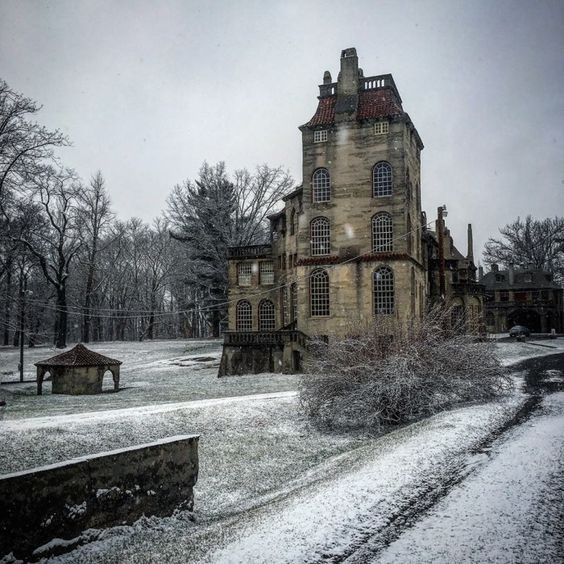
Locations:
(61, 501)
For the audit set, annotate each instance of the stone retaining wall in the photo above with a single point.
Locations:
(102, 490)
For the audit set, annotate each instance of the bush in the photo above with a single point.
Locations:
(385, 374)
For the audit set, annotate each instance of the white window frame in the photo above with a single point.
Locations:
(320, 236)
(244, 316)
(245, 273)
(320, 136)
(383, 291)
(382, 180)
(266, 272)
(266, 316)
(319, 293)
(381, 128)
(382, 233)
(321, 186)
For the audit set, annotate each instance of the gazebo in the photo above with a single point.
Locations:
(77, 371)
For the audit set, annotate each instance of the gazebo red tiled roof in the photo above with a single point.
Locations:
(79, 356)
(371, 104)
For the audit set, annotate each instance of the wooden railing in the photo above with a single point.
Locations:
(249, 338)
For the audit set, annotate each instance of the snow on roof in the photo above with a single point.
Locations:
(78, 356)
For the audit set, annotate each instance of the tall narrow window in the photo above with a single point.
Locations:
(293, 222)
(266, 316)
(382, 233)
(383, 291)
(244, 316)
(320, 236)
(294, 300)
(266, 272)
(244, 273)
(382, 180)
(321, 185)
(319, 293)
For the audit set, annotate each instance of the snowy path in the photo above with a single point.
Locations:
(512, 510)
(95, 417)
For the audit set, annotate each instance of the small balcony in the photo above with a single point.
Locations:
(253, 338)
(249, 251)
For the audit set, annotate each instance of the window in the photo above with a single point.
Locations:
(382, 180)
(294, 300)
(293, 222)
(320, 136)
(244, 316)
(266, 320)
(383, 291)
(382, 233)
(266, 272)
(319, 293)
(244, 273)
(321, 185)
(381, 128)
(504, 296)
(320, 236)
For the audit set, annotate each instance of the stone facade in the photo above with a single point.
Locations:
(351, 244)
(528, 297)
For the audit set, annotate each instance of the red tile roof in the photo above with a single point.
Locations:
(378, 103)
(78, 356)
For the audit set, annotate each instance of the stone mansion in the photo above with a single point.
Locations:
(351, 243)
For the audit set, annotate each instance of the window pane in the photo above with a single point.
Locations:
(244, 315)
(244, 273)
(382, 180)
(320, 236)
(319, 293)
(321, 185)
(266, 316)
(383, 291)
(382, 233)
(266, 272)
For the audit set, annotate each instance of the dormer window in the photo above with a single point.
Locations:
(320, 136)
(381, 128)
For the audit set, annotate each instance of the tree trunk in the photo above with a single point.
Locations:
(61, 318)
(7, 309)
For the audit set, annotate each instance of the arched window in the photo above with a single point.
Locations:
(383, 290)
(244, 316)
(321, 185)
(320, 236)
(319, 293)
(382, 179)
(382, 233)
(266, 319)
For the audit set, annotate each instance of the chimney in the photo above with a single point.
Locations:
(347, 86)
(511, 275)
(470, 255)
(480, 272)
(327, 77)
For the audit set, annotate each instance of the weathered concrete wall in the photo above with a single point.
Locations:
(253, 359)
(102, 490)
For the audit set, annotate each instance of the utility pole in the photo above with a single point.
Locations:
(441, 213)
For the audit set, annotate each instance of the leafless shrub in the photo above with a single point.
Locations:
(385, 374)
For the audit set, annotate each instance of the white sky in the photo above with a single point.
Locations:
(149, 90)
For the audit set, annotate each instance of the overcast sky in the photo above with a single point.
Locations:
(148, 90)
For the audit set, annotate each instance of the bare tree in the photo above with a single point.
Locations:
(534, 242)
(95, 217)
(24, 144)
(48, 228)
(213, 213)
(387, 373)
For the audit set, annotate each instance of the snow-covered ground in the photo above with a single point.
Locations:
(272, 488)
(152, 373)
